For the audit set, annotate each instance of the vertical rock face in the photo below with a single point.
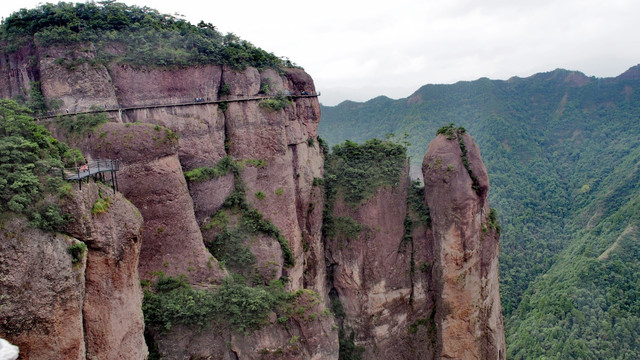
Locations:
(90, 85)
(279, 158)
(17, 70)
(151, 177)
(465, 269)
(53, 308)
(42, 293)
(374, 275)
(112, 315)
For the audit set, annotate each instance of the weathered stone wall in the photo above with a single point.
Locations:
(386, 298)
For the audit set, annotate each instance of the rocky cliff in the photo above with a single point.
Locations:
(381, 276)
(465, 268)
(57, 304)
(232, 185)
(275, 151)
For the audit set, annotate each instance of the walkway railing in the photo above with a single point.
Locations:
(196, 101)
(97, 169)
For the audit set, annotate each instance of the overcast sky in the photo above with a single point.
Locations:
(360, 49)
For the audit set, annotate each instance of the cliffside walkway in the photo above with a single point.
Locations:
(96, 169)
(119, 110)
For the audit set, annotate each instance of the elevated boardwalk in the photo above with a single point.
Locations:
(96, 169)
(119, 110)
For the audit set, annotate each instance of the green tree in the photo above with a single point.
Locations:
(28, 152)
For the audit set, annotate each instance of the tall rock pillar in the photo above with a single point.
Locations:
(465, 269)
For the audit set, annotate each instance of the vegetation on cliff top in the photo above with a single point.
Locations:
(28, 153)
(354, 172)
(361, 169)
(141, 35)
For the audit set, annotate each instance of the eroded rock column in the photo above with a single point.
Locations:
(465, 269)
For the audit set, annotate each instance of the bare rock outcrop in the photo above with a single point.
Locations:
(57, 306)
(17, 70)
(465, 269)
(151, 177)
(112, 316)
(89, 84)
(279, 155)
(42, 293)
(435, 296)
(377, 278)
(308, 334)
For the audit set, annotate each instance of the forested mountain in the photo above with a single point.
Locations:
(563, 155)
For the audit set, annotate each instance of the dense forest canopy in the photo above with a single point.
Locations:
(563, 155)
(30, 163)
(148, 37)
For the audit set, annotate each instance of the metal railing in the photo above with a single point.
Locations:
(90, 168)
(96, 169)
(195, 101)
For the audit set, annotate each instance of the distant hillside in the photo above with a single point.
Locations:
(563, 154)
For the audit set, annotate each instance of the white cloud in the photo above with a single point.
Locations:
(357, 47)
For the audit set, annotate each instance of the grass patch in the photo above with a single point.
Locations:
(275, 104)
(82, 123)
(223, 167)
(233, 304)
(492, 221)
(77, 251)
(343, 228)
(102, 204)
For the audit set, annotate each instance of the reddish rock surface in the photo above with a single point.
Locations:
(465, 270)
(382, 297)
(151, 177)
(392, 305)
(54, 309)
(284, 141)
(112, 315)
(152, 86)
(17, 70)
(42, 293)
(89, 85)
(310, 334)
